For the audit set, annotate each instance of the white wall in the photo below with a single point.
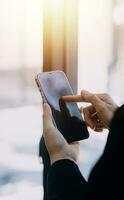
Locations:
(95, 44)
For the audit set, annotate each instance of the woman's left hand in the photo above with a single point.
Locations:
(57, 146)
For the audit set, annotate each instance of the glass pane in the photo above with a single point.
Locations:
(95, 44)
(95, 55)
(119, 47)
(21, 58)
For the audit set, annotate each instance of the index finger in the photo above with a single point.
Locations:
(85, 96)
(72, 98)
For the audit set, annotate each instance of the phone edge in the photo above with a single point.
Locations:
(44, 100)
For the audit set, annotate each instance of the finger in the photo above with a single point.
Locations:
(96, 119)
(98, 129)
(47, 117)
(84, 97)
(97, 122)
(90, 108)
(51, 134)
(91, 98)
(106, 98)
(81, 109)
(88, 112)
(98, 125)
(70, 98)
(87, 117)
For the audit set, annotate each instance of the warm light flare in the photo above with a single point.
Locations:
(54, 3)
(54, 7)
(60, 32)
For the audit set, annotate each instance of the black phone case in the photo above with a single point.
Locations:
(66, 116)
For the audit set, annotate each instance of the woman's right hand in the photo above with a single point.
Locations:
(100, 113)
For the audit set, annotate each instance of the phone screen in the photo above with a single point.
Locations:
(67, 117)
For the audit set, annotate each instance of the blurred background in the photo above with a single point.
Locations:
(100, 68)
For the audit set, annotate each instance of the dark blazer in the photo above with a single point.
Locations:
(106, 181)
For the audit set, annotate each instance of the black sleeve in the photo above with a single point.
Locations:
(106, 179)
(65, 182)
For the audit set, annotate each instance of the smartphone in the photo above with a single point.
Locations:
(66, 115)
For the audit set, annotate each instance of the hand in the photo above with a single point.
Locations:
(100, 113)
(57, 146)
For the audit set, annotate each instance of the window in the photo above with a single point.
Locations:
(20, 59)
(86, 41)
(95, 44)
(100, 61)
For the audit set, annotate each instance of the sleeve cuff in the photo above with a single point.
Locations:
(60, 165)
(65, 178)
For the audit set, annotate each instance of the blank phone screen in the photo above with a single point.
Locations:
(66, 116)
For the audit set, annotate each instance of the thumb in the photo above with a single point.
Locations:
(91, 98)
(47, 117)
(53, 138)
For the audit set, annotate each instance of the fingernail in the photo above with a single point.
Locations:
(84, 92)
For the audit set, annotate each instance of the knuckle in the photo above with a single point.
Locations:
(100, 108)
(93, 97)
(106, 95)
